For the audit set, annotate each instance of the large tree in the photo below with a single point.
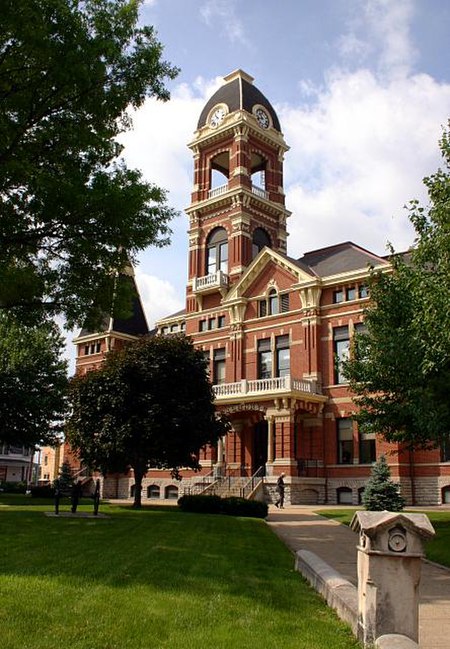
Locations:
(33, 380)
(400, 368)
(70, 208)
(149, 404)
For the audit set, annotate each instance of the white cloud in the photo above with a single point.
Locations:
(360, 149)
(358, 154)
(223, 11)
(159, 298)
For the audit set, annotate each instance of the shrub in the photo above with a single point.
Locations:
(229, 506)
(200, 504)
(44, 491)
(381, 493)
(13, 487)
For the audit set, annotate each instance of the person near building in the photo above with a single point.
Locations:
(280, 489)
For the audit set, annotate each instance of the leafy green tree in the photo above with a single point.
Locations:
(400, 368)
(33, 380)
(70, 208)
(149, 404)
(380, 492)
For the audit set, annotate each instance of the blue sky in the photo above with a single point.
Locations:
(362, 90)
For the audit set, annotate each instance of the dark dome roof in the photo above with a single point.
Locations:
(239, 93)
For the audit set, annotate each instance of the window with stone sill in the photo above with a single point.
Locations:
(219, 366)
(367, 448)
(341, 348)
(344, 429)
(445, 449)
(363, 291)
(350, 293)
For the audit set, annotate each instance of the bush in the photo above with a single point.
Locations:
(229, 506)
(13, 487)
(44, 491)
(381, 493)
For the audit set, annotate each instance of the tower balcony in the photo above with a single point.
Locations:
(210, 283)
(222, 189)
(282, 386)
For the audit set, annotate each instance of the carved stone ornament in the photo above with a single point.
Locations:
(397, 541)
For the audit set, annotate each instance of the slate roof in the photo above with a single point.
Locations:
(136, 325)
(239, 94)
(174, 315)
(340, 258)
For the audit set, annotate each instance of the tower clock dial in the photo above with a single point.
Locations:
(217, 117)
(262, 118)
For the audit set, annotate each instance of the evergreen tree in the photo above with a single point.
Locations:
(381, 493)
(65, 477)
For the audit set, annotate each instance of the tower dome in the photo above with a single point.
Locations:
(239, 93)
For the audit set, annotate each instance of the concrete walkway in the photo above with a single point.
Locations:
(302, 529)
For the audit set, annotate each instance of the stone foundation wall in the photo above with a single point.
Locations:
(298, 491)
(162, 488)
(428, 491)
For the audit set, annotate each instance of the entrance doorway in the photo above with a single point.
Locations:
(260, 437)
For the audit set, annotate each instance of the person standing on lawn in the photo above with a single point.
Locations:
(280, 489)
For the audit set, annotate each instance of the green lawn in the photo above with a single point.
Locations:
(438, 549)
(156, 578)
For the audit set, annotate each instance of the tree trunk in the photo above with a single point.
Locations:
(138, 475)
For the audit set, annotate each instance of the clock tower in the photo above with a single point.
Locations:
(237, 204)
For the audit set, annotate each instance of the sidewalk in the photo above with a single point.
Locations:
(301, 529)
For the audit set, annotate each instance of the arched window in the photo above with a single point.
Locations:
(219, 170)
(217, 251)
(153, 491)
(360, 495)
(344, 496)
(274, 302)
(172, 492)
(446, 495)
(260, 239)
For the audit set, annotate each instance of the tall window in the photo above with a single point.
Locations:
(341, 345)
(445, 449)
(264, 359)
(367, 453)
(345, 440)
(260, 239)
(206, 356)
(274, 302)
(219, 366)
(217, 251)
(283, 356)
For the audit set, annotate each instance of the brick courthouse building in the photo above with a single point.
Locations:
(271, 327)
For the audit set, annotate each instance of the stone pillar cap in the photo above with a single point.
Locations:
(372, 523)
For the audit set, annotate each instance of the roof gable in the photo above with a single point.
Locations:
(260, 262)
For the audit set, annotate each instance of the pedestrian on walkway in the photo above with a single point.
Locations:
(280, 489)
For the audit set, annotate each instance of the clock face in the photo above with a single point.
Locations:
(262, 117)
(217, 117)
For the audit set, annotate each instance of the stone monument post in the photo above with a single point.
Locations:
(390, 553)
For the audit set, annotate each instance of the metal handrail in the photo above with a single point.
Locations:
(253, 482)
